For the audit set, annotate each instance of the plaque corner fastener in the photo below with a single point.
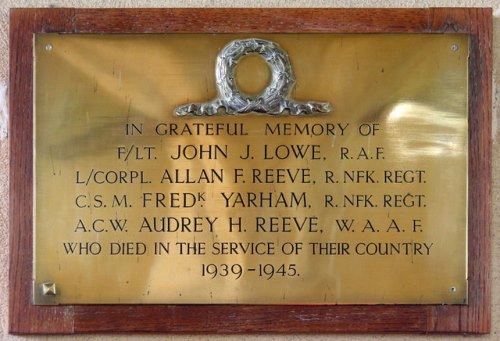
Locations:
(48, 289)
(46, 293)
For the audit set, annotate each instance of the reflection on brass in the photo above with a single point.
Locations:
(363, 205)
(275, 97)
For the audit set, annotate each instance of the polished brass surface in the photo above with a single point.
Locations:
(399, 107)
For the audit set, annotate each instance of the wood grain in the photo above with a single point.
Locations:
(286, 20)
(26, 318)
(476, 315)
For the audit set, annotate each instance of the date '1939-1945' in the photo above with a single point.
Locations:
(267, 271)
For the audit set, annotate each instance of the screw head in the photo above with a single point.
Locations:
(453, 289)
(454, 47)
(49, 47)
(49, 289)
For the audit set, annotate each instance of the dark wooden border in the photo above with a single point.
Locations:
(26, 318)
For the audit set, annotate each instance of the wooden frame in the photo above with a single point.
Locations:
(67, 319)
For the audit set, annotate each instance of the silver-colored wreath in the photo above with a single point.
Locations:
(273, 100)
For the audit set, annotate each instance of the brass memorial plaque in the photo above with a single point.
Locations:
(319, 169)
